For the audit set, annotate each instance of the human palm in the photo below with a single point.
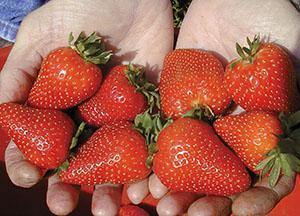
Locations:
(137, 31)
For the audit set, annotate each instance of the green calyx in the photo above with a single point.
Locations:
(136, 77)
(284, 159)
(204, 113)
(150, 126)
(90, 48)
(247, 54)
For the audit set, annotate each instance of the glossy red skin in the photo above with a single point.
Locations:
(269, 83)
(250, 135)
(115, 154)
(189, 78)
(4, 52)
(131, 210)
(192, 158)
(116, 100)
(4, 139)
(43, 136)
(64, 81)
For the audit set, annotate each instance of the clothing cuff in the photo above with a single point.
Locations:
(8, 31)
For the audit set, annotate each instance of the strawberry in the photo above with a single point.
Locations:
(43, 136)
(263, 141)
(192, 158)
(120, 98)
(115, 153)
(263, 78)
(192, 79)
(69, 75)
(131, 210)
(4, 53)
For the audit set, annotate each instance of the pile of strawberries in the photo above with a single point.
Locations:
(185, 130)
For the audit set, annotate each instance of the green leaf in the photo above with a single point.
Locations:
(77, 135)
(286, 168)
(90, 48)
(248, 51)
(284, 123)
(264, 162)
(295, 134)
(136, 77)
(71, 37)
(267, 168)
(286, 145)
(240, 51)
(275, 173)
(190, 114)
(294, 162)
(249, 43)
(294, 119)
(233, 64)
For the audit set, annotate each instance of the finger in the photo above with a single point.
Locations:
(211, 205)
(175, 203)
(20, 171)
(284, 186)
(20, 69)
(156, 188)
(18, 74)
(138, 191)
(62, 198)
(106, 200)
(255, 201)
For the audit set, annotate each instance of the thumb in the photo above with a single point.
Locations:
(19, 73)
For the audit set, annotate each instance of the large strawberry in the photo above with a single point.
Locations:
(263, 78)
(192, 158)
(264, 142)
(115, 153)
(69, 75)
(192, 79)
(43, 136)
(122, 96)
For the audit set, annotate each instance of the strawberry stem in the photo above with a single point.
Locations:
(201, 112)
(284, 159)
(73, 145)
(136, 77)
(77, 135)
(150, 126)
(247, 54)
(90, 48)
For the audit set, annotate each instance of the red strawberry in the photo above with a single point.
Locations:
(43, 136)
(69, 75)
(131, 210)
(258, 138)
(4, 52)
(118, 98)
(192, 79)
(115, 154)
(192, 158)
(263, 79)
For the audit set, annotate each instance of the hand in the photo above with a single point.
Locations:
(216, 26)
(137, 31)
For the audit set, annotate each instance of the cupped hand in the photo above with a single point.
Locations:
(216, 26)
(140, 32)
